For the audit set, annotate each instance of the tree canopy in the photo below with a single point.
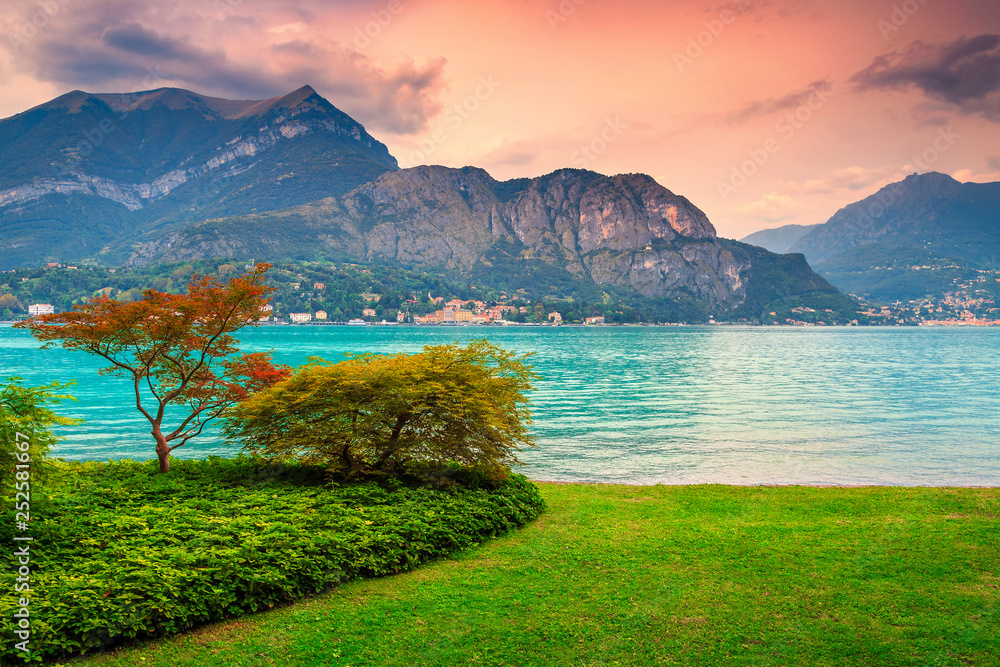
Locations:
(11, 302)
(372, 412)
(176, 348)
(26, 410)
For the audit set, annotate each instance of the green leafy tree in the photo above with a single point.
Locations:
(26, 410)
(370, 412)
(10, 301)
(182, 272)
(134, 294)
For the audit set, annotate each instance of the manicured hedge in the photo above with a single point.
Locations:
(121, 552)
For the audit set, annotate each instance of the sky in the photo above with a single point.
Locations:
(761, 112)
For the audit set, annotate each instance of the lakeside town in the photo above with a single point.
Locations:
(455, 311)
(952, 311)
(353, 295)
(968, 303)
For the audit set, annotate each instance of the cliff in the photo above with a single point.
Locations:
(626, 230)
(171, 175)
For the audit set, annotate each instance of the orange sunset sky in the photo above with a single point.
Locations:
(762, 113)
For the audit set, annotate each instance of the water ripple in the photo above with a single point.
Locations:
(665, 405)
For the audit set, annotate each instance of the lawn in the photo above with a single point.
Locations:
(686, 575)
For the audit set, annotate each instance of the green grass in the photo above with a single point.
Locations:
(688, 575)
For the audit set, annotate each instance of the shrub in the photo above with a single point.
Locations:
(384, 413)
(25, 410)
(124, 553)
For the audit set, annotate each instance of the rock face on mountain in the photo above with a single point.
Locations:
(86, 168)
(919, 237)
(929, 211)
(625, 230)
(170, 175)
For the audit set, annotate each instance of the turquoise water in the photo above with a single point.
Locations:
(672, 405)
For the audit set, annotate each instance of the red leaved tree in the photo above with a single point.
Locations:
(179, 347)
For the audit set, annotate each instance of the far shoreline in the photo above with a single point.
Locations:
(644, 325)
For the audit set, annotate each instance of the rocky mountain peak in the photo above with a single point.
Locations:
(115, 165)
(179, 99)
(301, 99)
(931, 184)
(921, 209)
(172, 175)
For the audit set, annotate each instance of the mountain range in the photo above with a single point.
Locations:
(171, 175)
(778, 239)
(919, 237)
(86, 174)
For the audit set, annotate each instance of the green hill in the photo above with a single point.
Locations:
(915, 238)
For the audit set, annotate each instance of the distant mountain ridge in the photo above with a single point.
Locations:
(178, 99)
(778, 239)
(912, 238)
(171, 175)
(143, 162)
(960, 220)
(439, 216)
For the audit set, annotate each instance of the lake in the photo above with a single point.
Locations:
(671, 405)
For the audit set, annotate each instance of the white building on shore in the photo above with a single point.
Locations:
(41, 309)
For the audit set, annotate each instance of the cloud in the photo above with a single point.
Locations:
(845, 181)
(252, 50)
(970, 176)
(765, 10)
(739, 7)
(964, 73)
(512, 153)
(817, 92)
(993, 161)
(134, 38)
(772, 207)
(772, 105)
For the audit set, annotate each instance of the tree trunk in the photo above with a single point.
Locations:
(162, 449)
(390, 451)
(347, 459)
